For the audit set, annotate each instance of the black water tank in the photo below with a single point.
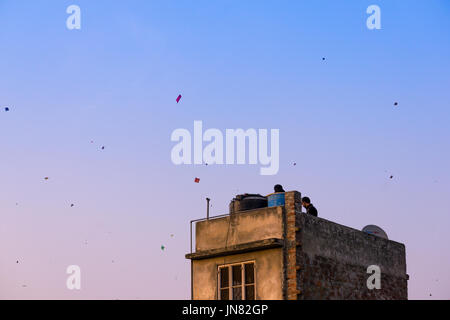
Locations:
(248, 202)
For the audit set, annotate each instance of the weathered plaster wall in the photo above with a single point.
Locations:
(333, 261)
(269, 274)
(239, 228)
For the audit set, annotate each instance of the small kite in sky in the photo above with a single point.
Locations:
(295, 163)
(197, 180)
(392, 177)
(72, 205)
(46, 178)
(103, 148)
(396, 104)
(179, 98)
(162, 248)
(323, 59)
(6, 109)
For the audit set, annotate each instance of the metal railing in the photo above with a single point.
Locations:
(198, 220)
(204, 219)
(218, 217)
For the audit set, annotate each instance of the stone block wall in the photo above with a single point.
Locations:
(332, 262)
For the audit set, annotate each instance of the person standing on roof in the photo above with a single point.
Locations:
(310, 209)
(278, 188)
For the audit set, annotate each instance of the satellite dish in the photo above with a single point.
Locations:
(376, 231)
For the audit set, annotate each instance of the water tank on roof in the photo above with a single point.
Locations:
(246, 202)
(276, 199)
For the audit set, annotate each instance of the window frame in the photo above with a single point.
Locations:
(243, 284)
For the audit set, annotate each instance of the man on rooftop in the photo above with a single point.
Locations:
(310, 209)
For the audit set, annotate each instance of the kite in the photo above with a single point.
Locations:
(392, 177)
(72, 205)
(162, 248)
(197, 180)
(396, 104)
(6, 109)
(179, 98)
(103, 148)
(46, 178)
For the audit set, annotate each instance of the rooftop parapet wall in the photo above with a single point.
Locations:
(333, 261)
(331, 240)
(240, 228)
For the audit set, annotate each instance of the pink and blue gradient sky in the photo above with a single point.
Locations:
(238, 64)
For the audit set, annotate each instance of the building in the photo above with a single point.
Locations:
(281, 253)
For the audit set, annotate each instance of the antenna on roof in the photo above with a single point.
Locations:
(207, 209)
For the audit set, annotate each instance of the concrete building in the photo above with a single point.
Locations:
(281, 253)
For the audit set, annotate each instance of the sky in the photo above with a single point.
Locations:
(237, 64)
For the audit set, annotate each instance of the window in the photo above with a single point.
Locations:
(237, 281)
